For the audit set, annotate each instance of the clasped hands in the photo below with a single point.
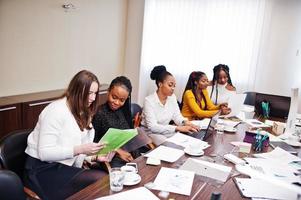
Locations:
(91, 149)
(225, 110)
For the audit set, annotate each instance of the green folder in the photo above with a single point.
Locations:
(116, 138)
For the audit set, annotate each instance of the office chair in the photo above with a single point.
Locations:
(136, 112)
(13, 157)
(11, 187)
(250, 98)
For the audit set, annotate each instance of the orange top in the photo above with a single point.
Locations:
(192, 110)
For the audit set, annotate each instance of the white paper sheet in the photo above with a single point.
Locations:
(263, 189)
(236, 102)
(134, 194)
(174, 180)
(254, 123)
(185, 140)
(207, 169)
(203, 124)
(279, 154)
(164, 153)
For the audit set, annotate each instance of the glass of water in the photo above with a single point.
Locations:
(116, 179)
(219, 127)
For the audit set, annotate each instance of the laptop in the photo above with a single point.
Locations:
(204, 134)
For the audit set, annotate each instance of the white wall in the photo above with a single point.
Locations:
(279, 66)
(42, 46)
(133, 44)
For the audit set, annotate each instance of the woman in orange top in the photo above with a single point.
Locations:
(196, 103)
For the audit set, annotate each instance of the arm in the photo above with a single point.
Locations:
(151, 121)
(177, 115)
(210, 105)
(195, 108)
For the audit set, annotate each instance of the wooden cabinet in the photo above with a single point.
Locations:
(22, 111)
(10, 118)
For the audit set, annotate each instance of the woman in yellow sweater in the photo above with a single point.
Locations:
(196, 103)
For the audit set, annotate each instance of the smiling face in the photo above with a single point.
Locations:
(167, 87)
(117, 97)
(92, 93)
(222, 77)
(203, 82)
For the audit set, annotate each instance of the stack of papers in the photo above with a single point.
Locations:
(164, 153)
(254, 123)
(137, 193)
(174, 180)
(185, 140)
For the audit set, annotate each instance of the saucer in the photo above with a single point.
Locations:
(187, 150)
(293, 143)
(133, 179)
(230, 130)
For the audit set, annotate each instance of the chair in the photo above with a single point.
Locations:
(136, 112)
(250, 98)
(12, 155)
(11, 186)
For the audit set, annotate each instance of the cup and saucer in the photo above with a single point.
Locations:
(131, 174)
(293, 141)
(194, 150)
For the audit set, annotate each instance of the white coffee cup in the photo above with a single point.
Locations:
(293, 138)
(195, 148)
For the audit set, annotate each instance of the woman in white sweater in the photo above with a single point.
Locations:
(62, 140)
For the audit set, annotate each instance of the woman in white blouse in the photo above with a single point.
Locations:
(221, 87)
(62, 140)
(161, 107)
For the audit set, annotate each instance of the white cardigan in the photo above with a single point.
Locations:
(156, 116)
(56, 134)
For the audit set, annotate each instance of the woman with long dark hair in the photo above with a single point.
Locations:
(61, 141)
(221, 87)
(196, 103)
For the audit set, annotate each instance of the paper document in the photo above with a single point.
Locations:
(116, 138)
(185, 140)
(137, 193)
(207, 169)
(236, 102)
(280, 155)
(203, 124)
(263, 189)
(174, 180)
(254, 123)
(164, 153)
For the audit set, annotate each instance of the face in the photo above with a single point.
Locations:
(92, 92)
(117, 97)
(222, 77)
(203, 82)
(168, 86)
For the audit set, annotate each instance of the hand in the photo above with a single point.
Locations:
(88, 149)
(124, 155)
(186, 129)
(188, 123)
(223, 105)
(106, 158)
(225, 110)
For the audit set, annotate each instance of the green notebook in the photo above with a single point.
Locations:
(116, 138)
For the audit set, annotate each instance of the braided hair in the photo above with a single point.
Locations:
(216, 71)
(124, 82)
(159, 74)
(192, 82)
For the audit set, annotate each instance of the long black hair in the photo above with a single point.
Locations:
(126, 108)
(216, 71)
(159, 74)
(192, 83)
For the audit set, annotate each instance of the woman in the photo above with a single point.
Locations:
(196, 103)
(221, 87)
(61, 141)
(116, 113)
(162, 107)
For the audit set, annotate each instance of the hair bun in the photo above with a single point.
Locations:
(157, 71)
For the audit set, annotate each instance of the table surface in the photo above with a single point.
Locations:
(201, 189)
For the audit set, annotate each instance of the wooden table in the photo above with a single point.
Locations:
(220, 144)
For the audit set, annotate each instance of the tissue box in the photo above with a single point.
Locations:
(278, 128)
